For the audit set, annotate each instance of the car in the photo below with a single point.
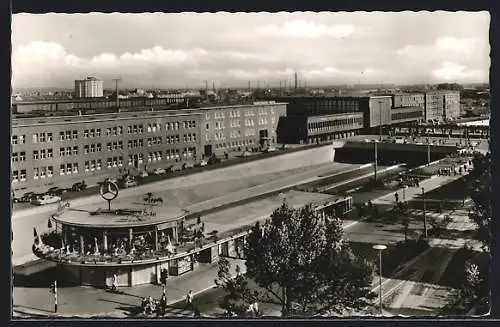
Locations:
(56, 191)
(202, 163)
(246, 154)
(79, 186)
(128, 183)
(45, 199)
(270, 149)
(143, 174)
(187, 165)
(28, 196)
(159, 171)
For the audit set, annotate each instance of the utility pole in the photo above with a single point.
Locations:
(425, 214)
(117, 80)
(428, 154)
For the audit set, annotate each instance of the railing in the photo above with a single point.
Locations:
(60, 255)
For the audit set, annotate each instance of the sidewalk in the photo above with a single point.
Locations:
(88, 301)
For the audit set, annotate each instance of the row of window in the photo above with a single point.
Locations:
(42, 154)
(18, 156)
(18, 175)
(68, 151)
(235, 134)
(406, 115)
(68, 135)
(234, 123)
(42, 137)
(332, 123)
(18, 139)
(219, 136)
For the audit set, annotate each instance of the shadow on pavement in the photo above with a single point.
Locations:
(30, 308)
(42, 279)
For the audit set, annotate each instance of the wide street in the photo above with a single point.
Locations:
(186, 192)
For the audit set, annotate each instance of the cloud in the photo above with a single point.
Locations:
(306, 29)
(449, 71)
(462, 45)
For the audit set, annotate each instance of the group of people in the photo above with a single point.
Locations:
(151, 306)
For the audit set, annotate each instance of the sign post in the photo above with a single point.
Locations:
(109, 192)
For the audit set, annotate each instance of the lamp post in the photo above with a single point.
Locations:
(428, 154)
(425, 216)
(375, 164)
(380, 121)
(380, 248)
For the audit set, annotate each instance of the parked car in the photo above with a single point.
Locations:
(202, 163)
(246, 154)
(46, 199)
(159, 171)
(270, 149)
(56, 191)
(143, 174)
(128, 182)
(79, 186)
(176, 168)
(28, 196)
(187, 165)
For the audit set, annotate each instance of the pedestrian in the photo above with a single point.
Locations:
(114, 284)
(189, 300)
(163, 304)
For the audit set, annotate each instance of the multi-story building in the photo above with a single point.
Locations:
(50, 150)
(162, 102)
(451, 104)
(237, 128)
(375, 109)
(408, 100)
(320, 128)
(90, 87)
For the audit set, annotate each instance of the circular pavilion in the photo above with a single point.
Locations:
(136, 243)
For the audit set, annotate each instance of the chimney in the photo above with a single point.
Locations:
(295, 80)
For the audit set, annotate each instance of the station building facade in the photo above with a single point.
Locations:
(58, 151)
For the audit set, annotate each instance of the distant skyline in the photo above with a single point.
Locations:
(182, 50)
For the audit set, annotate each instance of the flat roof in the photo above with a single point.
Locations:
(248, 214)
(81, 216)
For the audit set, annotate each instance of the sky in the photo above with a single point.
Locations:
(184, 49)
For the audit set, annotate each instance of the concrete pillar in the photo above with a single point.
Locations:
(174, 234)
(130, 236)
(105, 240)
(156, 239)
(82, 245)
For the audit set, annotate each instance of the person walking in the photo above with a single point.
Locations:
(163, 304)
(189, 300)
(114, 284)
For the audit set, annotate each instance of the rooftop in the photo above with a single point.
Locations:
(122, 215)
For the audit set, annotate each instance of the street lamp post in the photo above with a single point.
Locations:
(428, 154)
(425, 215)
(380, 121)
(380, 248)
(375, 165)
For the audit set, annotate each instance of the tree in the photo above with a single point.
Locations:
(480, 191)
(299, 259)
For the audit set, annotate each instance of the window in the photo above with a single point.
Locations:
(98, 132)
(68, 135)
(49, 137)
(75, 150)
(50, 171)
(62, 136)
(22, 175)
(35, 155)
(50, 153)
(22, 156)
(36, 173)
(35, 138)
(15, 176)
(68, 151)
(15, 157)
(98, 164)
(75, 134)
(62, 169)
(68, 169)
(86, 149)
(86, 133)
(42, 137)
(42, 154)
(14, 140)
(75, 168)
